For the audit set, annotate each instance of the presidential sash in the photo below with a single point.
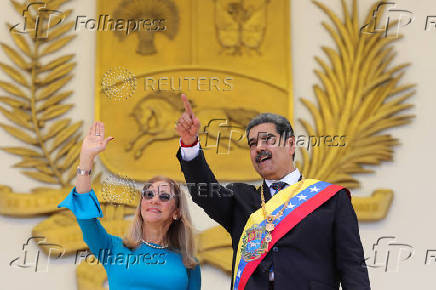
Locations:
(252, 247)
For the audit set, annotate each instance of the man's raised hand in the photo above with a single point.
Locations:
(188, 125)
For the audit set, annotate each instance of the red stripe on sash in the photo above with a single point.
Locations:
(290, 221)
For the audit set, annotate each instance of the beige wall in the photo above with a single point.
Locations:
(410, 175)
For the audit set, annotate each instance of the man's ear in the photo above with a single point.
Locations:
(291, 143)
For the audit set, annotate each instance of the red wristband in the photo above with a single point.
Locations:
(192, 145)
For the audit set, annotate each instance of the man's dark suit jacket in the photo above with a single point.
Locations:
(320, 252)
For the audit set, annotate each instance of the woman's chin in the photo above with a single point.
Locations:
(154, 218)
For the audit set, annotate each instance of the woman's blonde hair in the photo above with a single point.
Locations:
(180, 233)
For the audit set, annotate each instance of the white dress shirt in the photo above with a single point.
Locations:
(289, 179)
(189, 153)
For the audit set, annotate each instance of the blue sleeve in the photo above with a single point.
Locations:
(83, 205)
(86, 208)
(195, 278)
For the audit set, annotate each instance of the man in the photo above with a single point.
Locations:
(290, 233)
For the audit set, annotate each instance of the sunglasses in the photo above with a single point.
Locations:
(163, 196)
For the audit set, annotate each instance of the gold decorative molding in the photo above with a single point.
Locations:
(374, 207)
(214, 246)
(90, 276)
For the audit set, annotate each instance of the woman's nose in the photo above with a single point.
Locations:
(154, 199)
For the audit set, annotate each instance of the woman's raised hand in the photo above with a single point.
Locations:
(94, 142)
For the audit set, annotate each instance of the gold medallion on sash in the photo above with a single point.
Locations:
(269, 227)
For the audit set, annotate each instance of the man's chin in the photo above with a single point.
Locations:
(264, 172)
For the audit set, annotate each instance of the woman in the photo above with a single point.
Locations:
(158, 250)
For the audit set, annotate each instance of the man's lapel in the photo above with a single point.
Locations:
(267, 191)
(257, 199)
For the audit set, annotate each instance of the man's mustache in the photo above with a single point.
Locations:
(262, 154)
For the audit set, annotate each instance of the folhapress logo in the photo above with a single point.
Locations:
(38, 19)
(31, 257)
(388, 254)
(389, 21)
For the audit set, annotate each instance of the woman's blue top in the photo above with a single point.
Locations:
(142, 268)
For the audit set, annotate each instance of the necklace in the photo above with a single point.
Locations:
(154, 246)
(269, 227)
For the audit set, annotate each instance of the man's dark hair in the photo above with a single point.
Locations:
(283, 126)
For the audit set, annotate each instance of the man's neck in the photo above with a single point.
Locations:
(282, 175)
